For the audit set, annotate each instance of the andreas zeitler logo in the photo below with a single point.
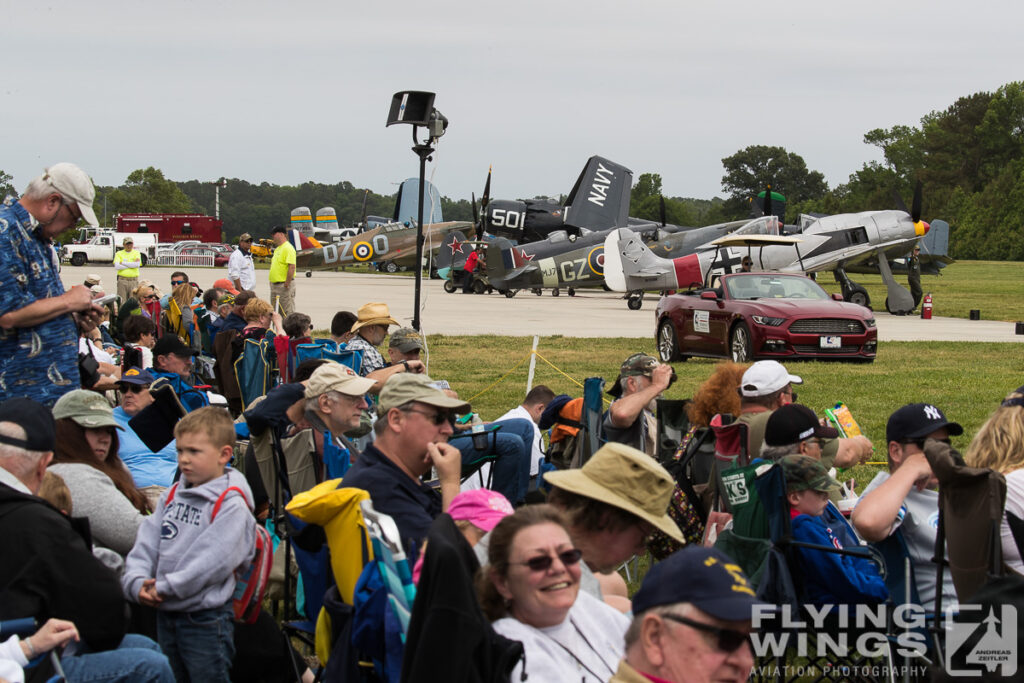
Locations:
(979, 640)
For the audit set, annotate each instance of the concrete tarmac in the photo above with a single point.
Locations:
(591, 313)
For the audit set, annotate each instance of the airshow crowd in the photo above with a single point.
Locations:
(134, 490)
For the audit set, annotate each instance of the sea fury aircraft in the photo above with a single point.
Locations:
(826, 243)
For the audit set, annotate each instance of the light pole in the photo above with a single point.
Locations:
(417, 109)
(216, 196)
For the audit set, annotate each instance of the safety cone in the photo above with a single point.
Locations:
(926, 307)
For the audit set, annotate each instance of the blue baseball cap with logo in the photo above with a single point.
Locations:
(703, 577)
(918, 420)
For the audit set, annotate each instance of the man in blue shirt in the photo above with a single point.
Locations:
(412, 436)
(151, 471)
(38, 332)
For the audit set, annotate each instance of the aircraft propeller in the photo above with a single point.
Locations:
(915, 210)
(484, 201)
(366, 194)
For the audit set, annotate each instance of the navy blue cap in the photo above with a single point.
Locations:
(136, 375)
(918, 420)
(704, 577)
(170, 343)
(35, 418)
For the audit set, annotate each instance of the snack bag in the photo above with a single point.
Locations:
(842, 419)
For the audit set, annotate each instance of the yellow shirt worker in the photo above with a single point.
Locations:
(282, 273)
(127, 262)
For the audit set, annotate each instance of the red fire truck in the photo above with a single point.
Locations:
(173, 227)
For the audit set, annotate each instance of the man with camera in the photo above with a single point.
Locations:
(630, 418)
(39, 337)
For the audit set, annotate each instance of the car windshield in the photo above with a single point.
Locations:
(773, 286)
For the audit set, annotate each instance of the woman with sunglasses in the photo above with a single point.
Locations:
(151, 471)
(531, 590)
(999, 445)
(144, 296)
(86, 457)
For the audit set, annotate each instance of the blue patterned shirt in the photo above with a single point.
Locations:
(38, 362)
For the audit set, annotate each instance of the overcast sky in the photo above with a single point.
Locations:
(287, 92)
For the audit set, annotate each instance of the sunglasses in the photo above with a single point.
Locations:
(438, 418)
(542, 563)
(134, 388)
(728, 639)
(175, 283)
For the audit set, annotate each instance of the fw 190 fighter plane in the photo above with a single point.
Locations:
(827, 243)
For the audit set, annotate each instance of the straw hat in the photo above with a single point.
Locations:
(625, 478)
(373, 314)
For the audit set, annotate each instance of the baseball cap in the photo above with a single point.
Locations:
(635, 365)
(408, 386)
(480, 507)
(333, 376)
(405, 339)
(244, 237)
(35, 418)
(93, 279)
(626, 478)
(127, 240)
(170, 343)
(136, 375)
(804, 473)
(86, 408)
(766, 377)
(703, 577)
(73, 184)
(918, 420)
(227, 285)
(792, 423)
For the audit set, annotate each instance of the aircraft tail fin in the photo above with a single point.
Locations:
(453, 252)
(408, 199)
(327, 218)
(600, 198)
(499, 259)
(302, 220)
(629, 266)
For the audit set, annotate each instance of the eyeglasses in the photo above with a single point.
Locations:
(150, 297)
(134, 388)
(542, 563)
(728, 639)
(438, 418)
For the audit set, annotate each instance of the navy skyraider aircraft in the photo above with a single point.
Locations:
(826, 243)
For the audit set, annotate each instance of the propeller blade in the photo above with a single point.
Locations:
(477, 223)
(662, 210)
(768, 199)
(915, 208)
(476, 217)
(898, 201)
(366, 194)
(486, 199)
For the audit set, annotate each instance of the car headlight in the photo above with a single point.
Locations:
(766, 320)
(870, 322)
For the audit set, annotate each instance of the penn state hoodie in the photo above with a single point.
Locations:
(192, 556)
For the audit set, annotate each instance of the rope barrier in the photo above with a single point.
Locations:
(498, 381)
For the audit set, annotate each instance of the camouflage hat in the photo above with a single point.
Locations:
(244, 237)
(635, 365)
(806, 473)
(405, 339)
(87, 408)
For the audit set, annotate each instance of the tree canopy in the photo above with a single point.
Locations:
(750, 170)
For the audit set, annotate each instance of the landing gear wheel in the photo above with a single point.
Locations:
(554, 292)
(857, 295)
(478, 287)
(536, 290)
(634, 303)
(78, 259)
(309, 273)
(572, 292)
(391, 267)
(449, 286)
(668, 343)
(739, 343)
(509, 293)
(489, 289)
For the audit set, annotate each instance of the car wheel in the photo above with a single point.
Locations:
(78, 259)
(668, 343)
(391, 267)
(449, 286)
(858, 295)
(309, 273)
(739, 343)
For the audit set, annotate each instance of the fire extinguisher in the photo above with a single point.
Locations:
(926, 307)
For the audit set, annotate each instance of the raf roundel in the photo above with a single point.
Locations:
(595, 259)
(362, 251)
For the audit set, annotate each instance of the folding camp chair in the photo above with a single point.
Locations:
(351, 358)
(589, 439)
(26, 627)
(254, 370)
(391, 561)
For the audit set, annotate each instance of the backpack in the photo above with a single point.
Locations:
(252, 580)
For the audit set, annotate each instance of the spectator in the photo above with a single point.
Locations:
(341, 326)
(86, 458)
(297, 329)
(46, 576)
(282, 272)
(16, 653)
(151, 472)
(144, 295)
(172, 362)
(691, 622)
(412, 434)
(630, 418)
(241, 270)
(211, 302)
(613, 503)
(794, 429)
(531, 589)
(370, 330)
(999, 445)
(93, 280)
(335, 398)
(33, 304)
(404, 344)
(223, 351)
(904, 498)
(186, 555)
(530, 409)
(227, 285)
(260, 319)
(127, 262)
(828, 578)
(178, 278)
(139, 340)
(184, 325)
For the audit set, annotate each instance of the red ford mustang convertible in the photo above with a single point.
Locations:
(754, 316)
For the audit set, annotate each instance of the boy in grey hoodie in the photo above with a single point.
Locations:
(186, 553)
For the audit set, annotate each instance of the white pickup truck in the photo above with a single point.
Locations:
(102, 247)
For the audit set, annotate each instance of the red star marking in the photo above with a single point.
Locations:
(456, 246)
(524, 256)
